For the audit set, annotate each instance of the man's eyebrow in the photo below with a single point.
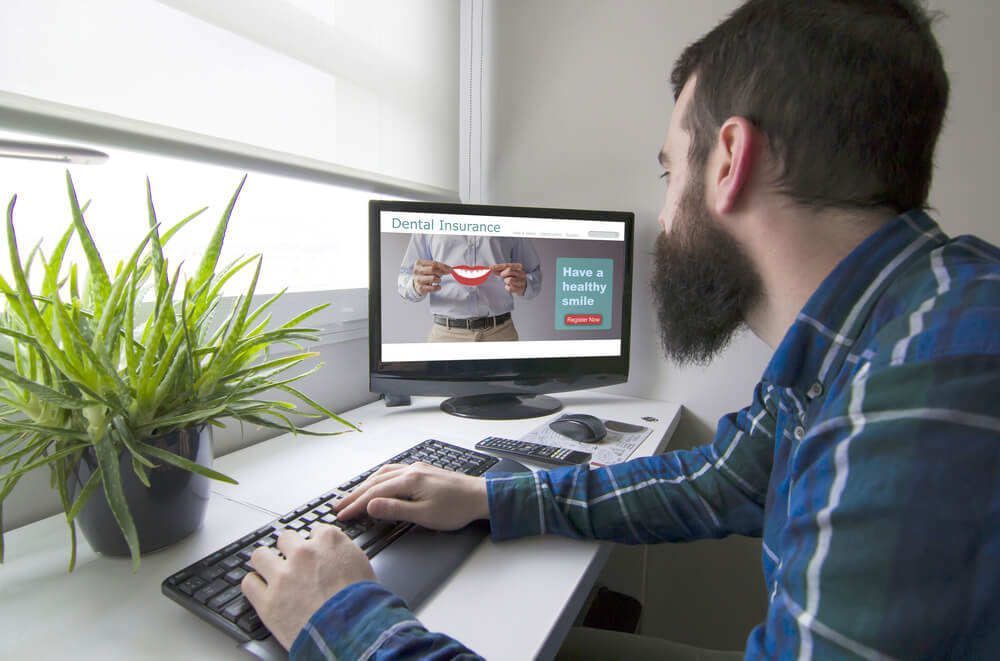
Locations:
(664, 159)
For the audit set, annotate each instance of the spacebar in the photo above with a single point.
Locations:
(381, 535)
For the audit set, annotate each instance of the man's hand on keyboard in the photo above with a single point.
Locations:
(428, 496)
(287, 591)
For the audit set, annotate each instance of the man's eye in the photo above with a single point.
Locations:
(666, 177)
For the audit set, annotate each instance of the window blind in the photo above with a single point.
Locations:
(358, 93)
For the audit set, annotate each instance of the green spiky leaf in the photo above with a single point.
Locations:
(105, 362)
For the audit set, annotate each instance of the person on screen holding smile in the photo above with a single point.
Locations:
(799, 159)
(470, 282)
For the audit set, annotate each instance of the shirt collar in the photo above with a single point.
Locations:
(821, 338)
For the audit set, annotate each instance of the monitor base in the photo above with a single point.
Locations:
(501, 406)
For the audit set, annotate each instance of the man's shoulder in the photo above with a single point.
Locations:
(944, 302)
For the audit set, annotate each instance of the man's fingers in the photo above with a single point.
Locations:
(264, 560)
(430, 267)
(427, 275)
(329, 535)
(389, 489)
(393, 509)
(379, 476)
(287, 591)
(288, 541)
(515, 284)
(507, 270)
(426, 283)
(253, 587)
(513, 275)
(424, 288)
(398, 483)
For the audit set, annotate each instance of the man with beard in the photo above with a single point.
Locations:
(799, 159)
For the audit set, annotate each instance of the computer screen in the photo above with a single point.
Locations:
(497, 307)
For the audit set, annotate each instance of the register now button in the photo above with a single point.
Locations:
(583, 320)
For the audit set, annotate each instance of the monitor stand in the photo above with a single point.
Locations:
(501, 406)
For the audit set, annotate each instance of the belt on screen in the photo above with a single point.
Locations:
(478, 322)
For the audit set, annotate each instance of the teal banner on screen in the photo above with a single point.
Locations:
(583, 293)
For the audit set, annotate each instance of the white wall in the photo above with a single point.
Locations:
(578, 105)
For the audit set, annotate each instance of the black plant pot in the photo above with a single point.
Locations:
(171, 508)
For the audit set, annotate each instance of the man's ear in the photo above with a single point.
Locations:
(737, 158)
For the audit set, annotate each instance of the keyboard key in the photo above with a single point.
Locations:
(192, 584)
(246, 539)
(224, 597)
(270, 540)
(212, 559)
(212, 573)
(210, 590)
(179, 577)
(236, 576)
(250, 622)
(236, 608)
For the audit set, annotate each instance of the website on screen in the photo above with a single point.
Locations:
(466, 287)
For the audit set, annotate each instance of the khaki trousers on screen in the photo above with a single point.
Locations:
(505, 332)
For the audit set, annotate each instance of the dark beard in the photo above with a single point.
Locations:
(703, 284)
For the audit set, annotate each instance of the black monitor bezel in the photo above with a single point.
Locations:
(485, 376)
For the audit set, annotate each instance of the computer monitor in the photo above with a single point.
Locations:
(496, 354)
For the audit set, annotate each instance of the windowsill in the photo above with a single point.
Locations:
(344, 320)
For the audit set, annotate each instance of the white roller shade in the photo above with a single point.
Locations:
(362, 92)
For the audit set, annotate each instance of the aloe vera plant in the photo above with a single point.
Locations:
(110, 360)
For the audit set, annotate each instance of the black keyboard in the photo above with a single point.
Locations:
(211, 587)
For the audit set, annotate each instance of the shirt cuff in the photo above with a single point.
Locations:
(413, 288)
(515, 506)
(352, 624)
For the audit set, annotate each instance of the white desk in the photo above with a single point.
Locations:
(513, 600)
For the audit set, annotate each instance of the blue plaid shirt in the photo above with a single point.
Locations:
(869, 462)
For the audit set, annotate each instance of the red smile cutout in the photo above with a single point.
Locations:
(471, 275)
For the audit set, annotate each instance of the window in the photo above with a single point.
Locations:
(322, 103)
(313, 237)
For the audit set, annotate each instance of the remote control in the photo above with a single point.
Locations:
(543, 454)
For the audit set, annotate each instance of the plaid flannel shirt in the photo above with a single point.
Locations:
(869, 462)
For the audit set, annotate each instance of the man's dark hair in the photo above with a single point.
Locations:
(850, 95)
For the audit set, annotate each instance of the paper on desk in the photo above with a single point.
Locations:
(619, 444)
